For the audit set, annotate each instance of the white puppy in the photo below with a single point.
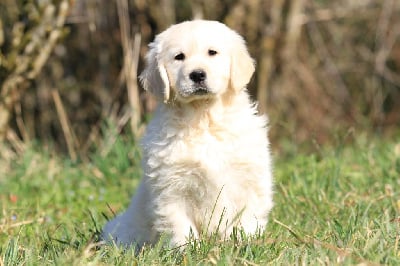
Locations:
(206, 161)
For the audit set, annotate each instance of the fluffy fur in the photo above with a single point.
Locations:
(206, 160)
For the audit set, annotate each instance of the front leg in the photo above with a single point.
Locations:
(175, 222)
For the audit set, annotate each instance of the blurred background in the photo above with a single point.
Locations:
(326, 70)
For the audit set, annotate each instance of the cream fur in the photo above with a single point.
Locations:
(206, 160)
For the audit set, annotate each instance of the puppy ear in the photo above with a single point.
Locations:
(154, 77)
(242, 65)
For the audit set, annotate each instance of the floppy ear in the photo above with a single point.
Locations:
(154, 77)
(242, 65)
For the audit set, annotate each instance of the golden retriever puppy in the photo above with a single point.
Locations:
(206, 160)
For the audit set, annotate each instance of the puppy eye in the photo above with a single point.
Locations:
(212, 52)
(180, 57)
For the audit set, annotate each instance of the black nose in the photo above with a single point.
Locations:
(198, 75)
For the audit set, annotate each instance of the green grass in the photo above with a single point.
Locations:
(337, 206)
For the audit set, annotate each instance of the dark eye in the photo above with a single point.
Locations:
(180, 57)
(212, 52)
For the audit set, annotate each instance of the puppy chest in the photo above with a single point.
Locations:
(186, 155)
(203, 166)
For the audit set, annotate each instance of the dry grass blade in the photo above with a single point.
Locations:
(292, 232)
(4, 227)
(131, 49)
(68, 133)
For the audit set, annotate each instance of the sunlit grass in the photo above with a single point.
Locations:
(339, 205)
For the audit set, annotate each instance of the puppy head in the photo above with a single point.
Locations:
(196, 60)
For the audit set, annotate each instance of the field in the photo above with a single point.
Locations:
(337, 205)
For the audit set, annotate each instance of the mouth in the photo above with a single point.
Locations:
(199, 91)
(196, 92)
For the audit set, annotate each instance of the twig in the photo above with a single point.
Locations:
(93, 135)
(65, 125)
(48, 47)
(293, 29)
(1, 43)
(268, 48)
(122, 121)
(15, 141)
(30, 60)
(384, 22)
(385, 41)
(20, 122)
(330, 14)
(329, 65)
